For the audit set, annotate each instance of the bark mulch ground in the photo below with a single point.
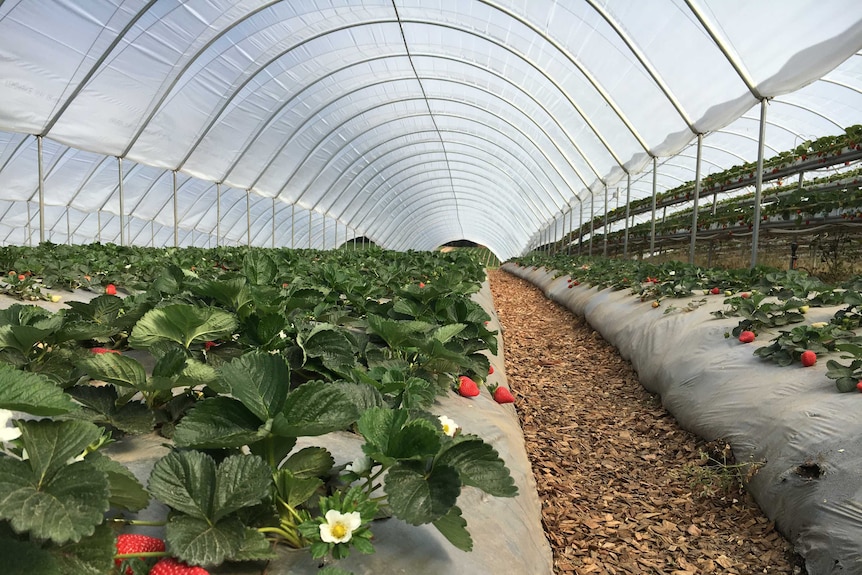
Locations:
(623, 487)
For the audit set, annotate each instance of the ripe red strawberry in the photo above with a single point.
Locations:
(503, 395)
(808, 358)
(421, 284)
(101, 350)
(490, 370)
(859, 386)
(715, 291)
(467, 387)
(21, 277)
(170, 566)
(746, 337)
(745, 295)
(111, 289)
(134, 543)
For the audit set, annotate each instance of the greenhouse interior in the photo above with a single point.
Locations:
(433, 287)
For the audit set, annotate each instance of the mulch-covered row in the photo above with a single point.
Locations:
(624, 489)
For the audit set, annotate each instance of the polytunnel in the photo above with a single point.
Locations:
(306, 124)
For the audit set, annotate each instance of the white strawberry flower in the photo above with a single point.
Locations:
(360, 465)
(339, 527)
(7, 433)
(449, 426)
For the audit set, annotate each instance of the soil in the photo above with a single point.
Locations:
(624, 489)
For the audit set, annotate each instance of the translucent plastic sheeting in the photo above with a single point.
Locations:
(349, 109)
(791, 421)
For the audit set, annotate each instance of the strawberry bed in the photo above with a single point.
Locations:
(790, 425)
(274, 400)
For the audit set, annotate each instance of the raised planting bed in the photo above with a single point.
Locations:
(798, 433)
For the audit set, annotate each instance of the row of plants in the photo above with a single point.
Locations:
(812, 154)
(765, 299)
(828, 200)
(231, 355)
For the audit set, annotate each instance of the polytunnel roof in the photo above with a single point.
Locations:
(410, 122)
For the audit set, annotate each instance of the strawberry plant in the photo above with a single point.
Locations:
(759, 312)
(789, 346)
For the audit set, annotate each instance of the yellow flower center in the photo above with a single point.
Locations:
(339, 530)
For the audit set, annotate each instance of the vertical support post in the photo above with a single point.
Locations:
(696, 199)
(218, 213)
(605, 227)
(68, 228)
(652, 218)
(292, 225)
(273, 222)
(41, 191)
(29, 226)
(628, 214)
(592, 222)
(323, 233)
(758, 186)
(121, 192)
(310, 212)
(248, 218)
(563, 235)
(176, 212)
(571, 230)
(800, 180)
(99, 225)
(581, 227)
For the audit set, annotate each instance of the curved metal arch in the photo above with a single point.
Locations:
(463, 118)
(146, 193)
(50, 168)
(495, 245)
(262, 68)
(840, 84)
(371, 194)
(97, 168)
(19, 149)
(421, 201)
(574, 144)
(728, 52)
(96, 65)
(432, 225)
(385, 57)
(595, 83)
(645, 63)
(809, 110)
(170, 87)
(379, 198)
(431, 222)
(339, 127)
(393, 189)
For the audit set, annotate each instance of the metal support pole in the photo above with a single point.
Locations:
(581, 226)
(218, 213)
(248, 218)
(696, 199)
(310, 212)
(152, 233)
(628, 214)
(323, 233)
(800, 179)
(563, 236)
(273, 222)
(99, 226)
(652, 219)
(592, 223)
(68, 228)
(758, 186)
(41, 191)
(121, 192)
(176, 212)
(605, 227)
(292, 225)
(571, 230)
(29, 226)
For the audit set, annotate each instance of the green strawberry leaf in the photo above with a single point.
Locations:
(51, 444)
(295, 490)
(31, 393)
(242, 481)
(218, 422)
(259, 268)
(65, 506)
(417, 496)
(454, 528)
(315, 408)
(126, 492)
(186, 481)
(182, 323)
(479, 465)
(21, 338)
(101, 406)
(259, 380)
(117, 369)
(25, 558)
(92, 555)
(309, 462)
(197, 541)
(331, 345)
(255, 547)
